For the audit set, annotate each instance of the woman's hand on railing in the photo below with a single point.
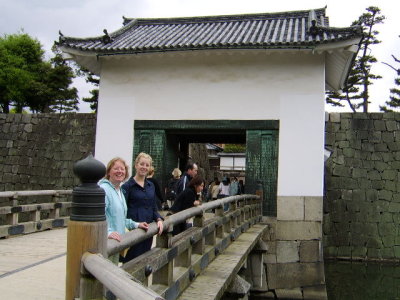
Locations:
(160, 226)
(114, 236)
(144, 226)
(197, 203)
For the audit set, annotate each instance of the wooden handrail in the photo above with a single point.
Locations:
(181, 258)
(138, 235)
(13, 226)
(119, 282)
(14, 194)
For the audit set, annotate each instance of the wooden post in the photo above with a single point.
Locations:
(87, 229)
(12, 219)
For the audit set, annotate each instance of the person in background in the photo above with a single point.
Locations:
(159, 196)
(140, 196)
(234, 187)
(187, 199)
(116, 173)
(170, 190)
(190, 172)
(224, 190)
(241, 187)
(215, 190)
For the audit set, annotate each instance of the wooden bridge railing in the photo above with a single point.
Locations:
(37, 219)
(172, 264)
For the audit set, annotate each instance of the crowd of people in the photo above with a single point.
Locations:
(136, 202)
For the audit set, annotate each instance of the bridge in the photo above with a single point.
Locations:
(220, 256)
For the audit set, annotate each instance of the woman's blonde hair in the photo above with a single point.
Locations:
(111, 164)
(176, 173)
(143, 155)
(151, 171)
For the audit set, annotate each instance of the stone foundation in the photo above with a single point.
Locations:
(294, 260)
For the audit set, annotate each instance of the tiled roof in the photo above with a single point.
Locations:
(286, 30)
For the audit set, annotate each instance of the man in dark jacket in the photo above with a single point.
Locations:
(190, 172)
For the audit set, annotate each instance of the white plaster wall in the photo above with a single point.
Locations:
(250, 85)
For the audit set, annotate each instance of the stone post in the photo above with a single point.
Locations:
(87, 228)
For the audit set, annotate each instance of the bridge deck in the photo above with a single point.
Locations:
(212, 283)
(33, 266)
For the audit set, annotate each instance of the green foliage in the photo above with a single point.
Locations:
(394, 102)
(356, 92)
(235, 148)
(20, 59)
(95, 80)
(28, 81)
(64, 99)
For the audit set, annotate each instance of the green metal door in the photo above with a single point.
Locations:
(262, 166)
(152, 142)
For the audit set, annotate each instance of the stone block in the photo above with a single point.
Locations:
(294, 275)
(385, 195)
(289, 293)
(290, 208)
(387, 229)
(271, 246)
(389, 174)
(298, 230)
(396, 250)
(334, 117)
(287, 251)
(394, 146)
(317, 292)
(359, 252)
(392, 125)
(374, 242)
(269, 258)
(313, 208)
(344, 251)
(390, 186)
(310, 251)
(330, 251)
(380, 125)
(374, 253)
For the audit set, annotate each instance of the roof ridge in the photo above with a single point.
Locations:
(214, 18)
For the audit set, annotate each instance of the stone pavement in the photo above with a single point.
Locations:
(33, 266)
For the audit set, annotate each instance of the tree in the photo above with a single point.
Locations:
(356, 92)
(95, 80)
(27, 80)
(64, 98)
(20, 59)
(395, 92)
(235, 148)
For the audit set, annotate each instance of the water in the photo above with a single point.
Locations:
(364, 281)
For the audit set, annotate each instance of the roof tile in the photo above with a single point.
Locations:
(274, 30)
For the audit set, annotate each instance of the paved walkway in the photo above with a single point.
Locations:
(32, 266)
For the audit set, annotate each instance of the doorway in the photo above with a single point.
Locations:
(167, 141)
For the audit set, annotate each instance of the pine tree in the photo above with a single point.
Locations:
(65, 99)
(95, 81)
(356, 92)
(394, 101)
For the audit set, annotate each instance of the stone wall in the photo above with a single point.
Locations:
(37, 151)
(362, 186)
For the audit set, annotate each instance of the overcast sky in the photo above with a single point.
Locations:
(43, 19)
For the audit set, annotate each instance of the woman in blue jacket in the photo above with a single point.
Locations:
(116, 173)
(141, 201)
